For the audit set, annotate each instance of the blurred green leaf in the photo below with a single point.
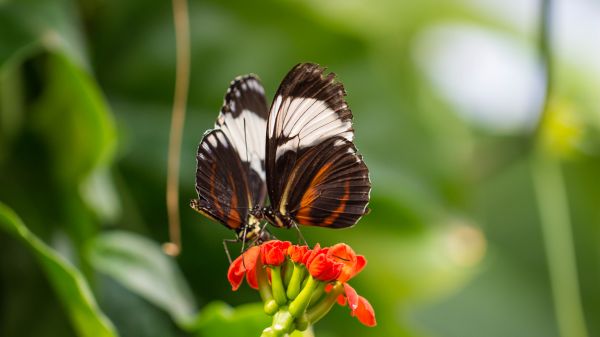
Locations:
(80, 134)
(75, 120)
(141, 266)
(243, 321)
(248, 320)
(118, 303)
(67, 281)
(29, 23)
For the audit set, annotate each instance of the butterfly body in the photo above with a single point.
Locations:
(300, 153)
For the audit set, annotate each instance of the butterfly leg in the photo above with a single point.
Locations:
(225, 242)
(244, 233)
(244, 245)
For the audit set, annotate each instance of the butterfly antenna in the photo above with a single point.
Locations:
(341, 258)
(300, 236)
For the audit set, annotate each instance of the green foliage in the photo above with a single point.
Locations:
(67, 281)
(73, 104)
(85, 99)
(141, 266)
(244, 321)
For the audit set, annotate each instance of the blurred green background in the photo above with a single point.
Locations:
(485, 221)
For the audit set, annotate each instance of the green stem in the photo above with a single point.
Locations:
(277, 286)
(293, 288)
(270, 305)
(288, 269)
(319, 291)
(282, 325)
(546, 60)
(299, 305)
(558, 239)
(263, 282)
(269, 332)
(321, 308)
(302, 322)
(553, 206)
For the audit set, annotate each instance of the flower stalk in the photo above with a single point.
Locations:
(300, 303)
(318, 311)
(277, 286)
(296, 280)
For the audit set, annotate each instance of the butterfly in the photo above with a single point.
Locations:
(300, 153)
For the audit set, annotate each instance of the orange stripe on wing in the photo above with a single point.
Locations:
(213, 193)
(336, 213)
(233, 218)
(311, 194)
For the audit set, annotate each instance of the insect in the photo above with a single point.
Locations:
(300, 153)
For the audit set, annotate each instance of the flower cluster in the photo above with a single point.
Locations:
(299, 285)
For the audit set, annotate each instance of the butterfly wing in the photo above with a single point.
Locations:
(308, 114)
(230, 174)
(329, 186)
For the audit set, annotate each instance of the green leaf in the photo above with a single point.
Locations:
(75, 119)
(141, 266)
(247, 320)
(28, 24)
(69, 284)
(244, 321)
(78, 128)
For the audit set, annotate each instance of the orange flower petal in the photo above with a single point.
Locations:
(343, 252)
(252, 280)
(361, 263)
(352, 296)
(345, 255)
(324, 268)
(364, 312)
(296, 252)
(341, 300)
(243, 265)
(311, 254)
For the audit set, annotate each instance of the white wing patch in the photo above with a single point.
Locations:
(249, 142)
(307, 121)
(273, 115)
(212, 140)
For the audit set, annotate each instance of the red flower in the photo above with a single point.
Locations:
(273, 252)
(244, 265)
(323, 267)
(352, 263)
(338, 263)
(296, 253)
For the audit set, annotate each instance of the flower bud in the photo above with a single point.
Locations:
(273, 252)
(296, 253)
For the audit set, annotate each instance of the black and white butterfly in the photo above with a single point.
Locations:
(300, 153)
